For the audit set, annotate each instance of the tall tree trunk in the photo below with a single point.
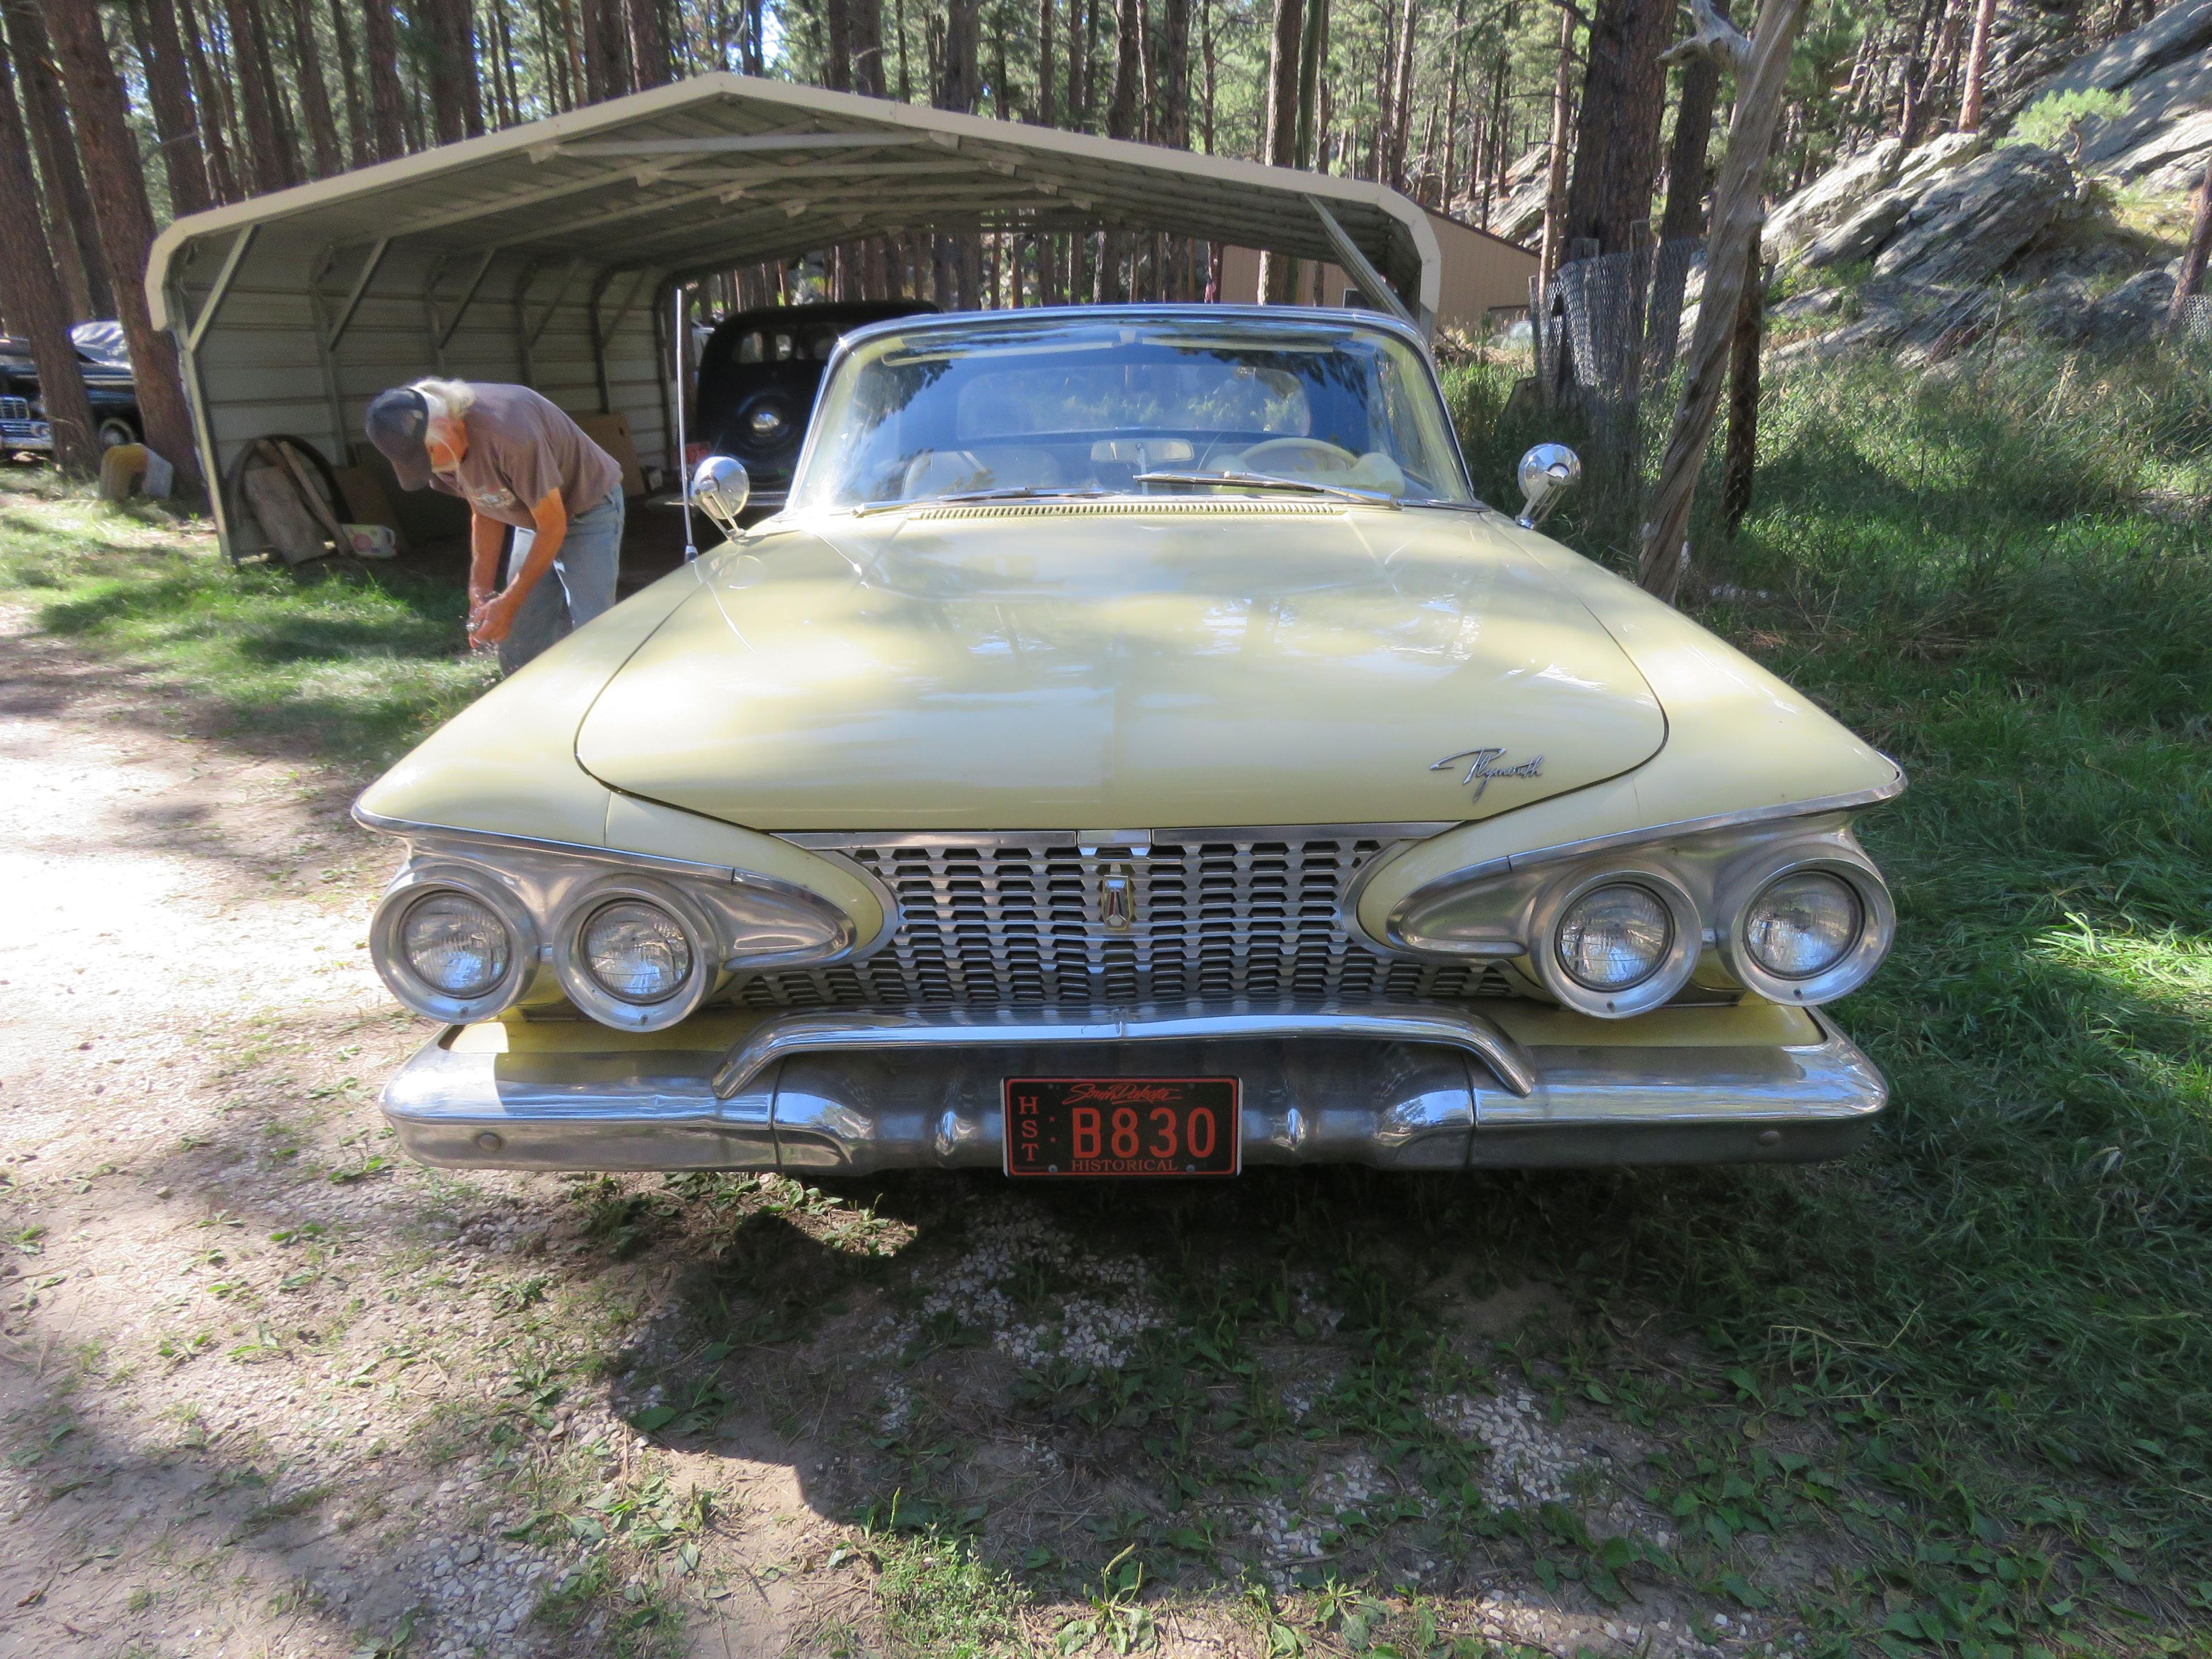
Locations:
(268, 167)
(30, 292)
(1686, 193)
(169, 91)
(60, 165)
(836, 68)
(359, 142)
(867, 27)
(446, 24)
(648, 43)
(1458, 62)
(1045, 111)
(1276, 272)
(126, 224)
(1617, 147)
(1739, 450)
(2191, 278)
(1732, 254)
(222, 177)
(314, 96)
(1401, 96)
(1122, 104)
(1171, 81)
(1313, 49)
(387, 98)
(1555, 176)
(606, 75)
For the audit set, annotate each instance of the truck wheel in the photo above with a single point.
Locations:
(116, 430)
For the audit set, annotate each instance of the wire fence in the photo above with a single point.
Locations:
(1609, 334)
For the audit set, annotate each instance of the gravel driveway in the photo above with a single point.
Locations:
(268, 1389)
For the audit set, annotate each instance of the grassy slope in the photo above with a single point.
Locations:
(1962, 568)
(2002, 1308)
(353, 669)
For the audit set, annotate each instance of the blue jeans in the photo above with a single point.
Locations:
(580, 585)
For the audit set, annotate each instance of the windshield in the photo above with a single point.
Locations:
(1117, 406)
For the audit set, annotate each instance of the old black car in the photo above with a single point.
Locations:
(758, 373)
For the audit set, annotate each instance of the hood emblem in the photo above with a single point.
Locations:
(1117, 897)
(1482, 767)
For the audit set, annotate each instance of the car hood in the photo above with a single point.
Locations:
(1118, 667)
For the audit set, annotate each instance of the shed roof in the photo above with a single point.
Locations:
(727, 169)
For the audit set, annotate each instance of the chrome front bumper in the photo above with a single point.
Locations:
(1398, 1087)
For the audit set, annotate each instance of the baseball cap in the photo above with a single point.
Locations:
(395, 424)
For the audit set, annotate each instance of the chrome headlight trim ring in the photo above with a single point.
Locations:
(1684, 941)
(583, 987)
(1877, 926)
(384, 950)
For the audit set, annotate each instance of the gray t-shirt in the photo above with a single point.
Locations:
(521, 449)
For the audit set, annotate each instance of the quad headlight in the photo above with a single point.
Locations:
(452, 944)
(1808, 927)
(1614, 937)
(1803, 924)
(1618, 942)
(455, 944)
(635, 953)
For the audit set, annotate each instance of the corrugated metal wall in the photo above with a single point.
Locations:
(261, 372)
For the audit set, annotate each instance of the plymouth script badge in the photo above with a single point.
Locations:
(1121, 1126)
(1483, 765)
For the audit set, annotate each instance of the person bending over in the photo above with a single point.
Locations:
(521, 464)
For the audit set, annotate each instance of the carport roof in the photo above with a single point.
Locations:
(727, 169)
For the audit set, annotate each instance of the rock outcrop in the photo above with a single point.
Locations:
(2164, 71)
(1948, 213)
(1972, 221)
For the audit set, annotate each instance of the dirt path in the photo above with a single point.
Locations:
(267, 1388)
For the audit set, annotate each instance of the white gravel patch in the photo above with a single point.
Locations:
(1529, 1464)
(1099, 1330)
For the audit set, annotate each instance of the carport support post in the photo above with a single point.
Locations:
(1370, 280)
(188, 348)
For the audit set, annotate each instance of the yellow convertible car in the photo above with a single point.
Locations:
(1133, 752)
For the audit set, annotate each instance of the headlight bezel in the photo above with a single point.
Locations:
(1684, 940)
(1877, 925)
(582, 985)
(387, 953)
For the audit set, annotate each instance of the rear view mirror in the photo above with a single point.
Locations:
(720, 488)
(1547, 472)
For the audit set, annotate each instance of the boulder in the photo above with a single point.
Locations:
(1865, 234)
(1854, 188)
(1829, 200)
(2135, 310)
(1975, 220)
(2180, 31)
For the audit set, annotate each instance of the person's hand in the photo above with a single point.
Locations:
(490, 619)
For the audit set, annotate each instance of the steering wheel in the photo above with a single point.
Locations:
(1308, 456)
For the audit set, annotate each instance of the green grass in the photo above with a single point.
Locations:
(1961, 567)
(1997, 1320)
(351, 666)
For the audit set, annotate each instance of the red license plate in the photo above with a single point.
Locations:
(1121, 1126)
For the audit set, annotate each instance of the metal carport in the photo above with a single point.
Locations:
(540, 254)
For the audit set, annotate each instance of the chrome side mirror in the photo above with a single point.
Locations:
(721, 488)
(1547, 472)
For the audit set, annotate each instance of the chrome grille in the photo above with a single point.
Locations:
(1013, 923)
(14, 409)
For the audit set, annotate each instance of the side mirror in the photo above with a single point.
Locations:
(1547, 472)
(719, 488)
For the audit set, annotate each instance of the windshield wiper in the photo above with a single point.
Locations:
(1273, 481)
(1010, 492)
